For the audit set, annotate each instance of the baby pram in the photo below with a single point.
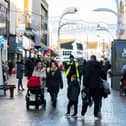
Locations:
(35, 89)
(123, 87)
(123, 81)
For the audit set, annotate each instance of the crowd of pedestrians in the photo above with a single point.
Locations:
(82, 76)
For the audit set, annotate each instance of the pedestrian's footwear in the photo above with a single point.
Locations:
(19, 89)
(74, 115)
(23, 89)
(96, 118)
(82, 117)
(67, 114)
(99, 116)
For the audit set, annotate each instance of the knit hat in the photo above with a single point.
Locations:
(71, 56)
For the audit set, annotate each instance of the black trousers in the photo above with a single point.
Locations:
(70, 104)
(96, 95)
(54, 98)
(84, 108)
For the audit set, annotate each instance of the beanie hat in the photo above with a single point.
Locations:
(71, 56)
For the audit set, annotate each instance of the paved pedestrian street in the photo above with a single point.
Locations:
(13, 111)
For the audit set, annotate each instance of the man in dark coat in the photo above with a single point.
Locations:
(91, 82)
(29, 67)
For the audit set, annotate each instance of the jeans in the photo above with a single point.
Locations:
(20, 84)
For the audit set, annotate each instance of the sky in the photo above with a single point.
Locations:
(85, 12)
(85, 7)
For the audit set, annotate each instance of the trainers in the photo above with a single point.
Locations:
(23, 89)
(96, 118)
(99, 116)
(67, 114)
(82, 117)
(74, 115)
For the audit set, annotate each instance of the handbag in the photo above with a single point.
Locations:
(85, 97)
(106, 89)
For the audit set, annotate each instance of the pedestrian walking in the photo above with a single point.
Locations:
(91, 82)
(54, 82)
(40, 72)
(72, 94)
(5, 70)
(19, 74)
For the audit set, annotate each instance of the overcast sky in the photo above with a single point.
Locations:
(85, 7)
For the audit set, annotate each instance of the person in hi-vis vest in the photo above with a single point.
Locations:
(71, 69)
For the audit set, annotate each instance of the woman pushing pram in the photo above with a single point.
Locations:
(36, 85)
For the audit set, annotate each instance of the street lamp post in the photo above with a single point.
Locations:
(59, 28)
(70, 10)
(114, 13)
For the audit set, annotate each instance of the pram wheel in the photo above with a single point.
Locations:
(35, 97)
(37, 106)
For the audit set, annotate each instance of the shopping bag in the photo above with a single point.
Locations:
(85, 97)
(105, 87)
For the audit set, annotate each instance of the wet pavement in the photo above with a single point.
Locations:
(13, 111)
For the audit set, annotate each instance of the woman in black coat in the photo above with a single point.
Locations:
(19, 75)
(54, 82)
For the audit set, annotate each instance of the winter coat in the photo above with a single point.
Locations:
(92, 75)
(29, 67)
(41, 74)
(54, 81)
(20, 69)
(73, 91)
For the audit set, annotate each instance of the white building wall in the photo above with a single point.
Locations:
(13, 17)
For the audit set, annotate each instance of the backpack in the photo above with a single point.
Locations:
(33, 81)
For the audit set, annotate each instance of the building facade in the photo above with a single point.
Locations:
(39, 22)
(122, 19)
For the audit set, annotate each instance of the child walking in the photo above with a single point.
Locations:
(73, 93)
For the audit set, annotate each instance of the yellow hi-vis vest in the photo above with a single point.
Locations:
(48, 69)
(69, 68)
